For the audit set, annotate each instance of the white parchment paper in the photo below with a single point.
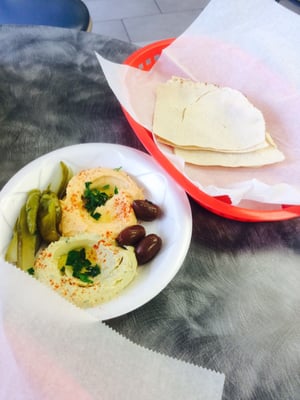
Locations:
(251, 46)
(49, 349)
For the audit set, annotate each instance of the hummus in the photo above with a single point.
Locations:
(108, 269)
(108, 219)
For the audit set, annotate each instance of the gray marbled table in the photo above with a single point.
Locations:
(235, 304)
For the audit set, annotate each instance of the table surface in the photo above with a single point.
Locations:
(234, 306)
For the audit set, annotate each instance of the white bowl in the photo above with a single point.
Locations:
(174, 227)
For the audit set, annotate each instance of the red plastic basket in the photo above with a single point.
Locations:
(144, 58)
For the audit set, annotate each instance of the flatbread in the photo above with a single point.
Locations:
(266, 156)
(205, 116)
(208, 125)
(259, 146)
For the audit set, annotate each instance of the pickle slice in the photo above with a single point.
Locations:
(11, 254)
(27, 242)
(32, 206)
(61, 180)
(49, 215)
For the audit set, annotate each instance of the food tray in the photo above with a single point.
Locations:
(144, 58)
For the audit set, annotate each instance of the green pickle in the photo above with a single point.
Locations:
(11, 254)
(49, 216)
(32, 206)
(59, 183)
(66, 176)
(38, 220)
(27, 242)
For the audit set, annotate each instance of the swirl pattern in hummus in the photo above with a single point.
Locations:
(118, 267)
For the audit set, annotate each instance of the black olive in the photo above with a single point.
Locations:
(145, 210)
(147, 248)
(131, 235)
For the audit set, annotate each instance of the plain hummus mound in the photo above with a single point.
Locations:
(117, 212)
(117, 268)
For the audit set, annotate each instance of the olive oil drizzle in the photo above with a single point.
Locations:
(94, 198)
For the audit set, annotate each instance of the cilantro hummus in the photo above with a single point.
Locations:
(85, 269)
(99, 200)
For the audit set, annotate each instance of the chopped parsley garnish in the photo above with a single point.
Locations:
(93, 198)
(82, 267)
(30, 271)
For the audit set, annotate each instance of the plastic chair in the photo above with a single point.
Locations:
(72, 14)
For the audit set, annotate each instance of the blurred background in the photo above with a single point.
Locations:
(145, 21)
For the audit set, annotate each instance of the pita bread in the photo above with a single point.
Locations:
(209, 125)
(259, 146)
(266, 156)
(195, 114)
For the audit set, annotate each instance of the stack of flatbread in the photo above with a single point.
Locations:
(210, 125)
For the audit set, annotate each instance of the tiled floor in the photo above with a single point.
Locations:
(144, 21)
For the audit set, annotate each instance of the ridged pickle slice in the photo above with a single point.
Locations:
(32, 206)
(11, 254)
(27, 242)
(49, 216)
(60, 182)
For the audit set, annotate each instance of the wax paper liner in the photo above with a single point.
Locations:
(200, 55)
